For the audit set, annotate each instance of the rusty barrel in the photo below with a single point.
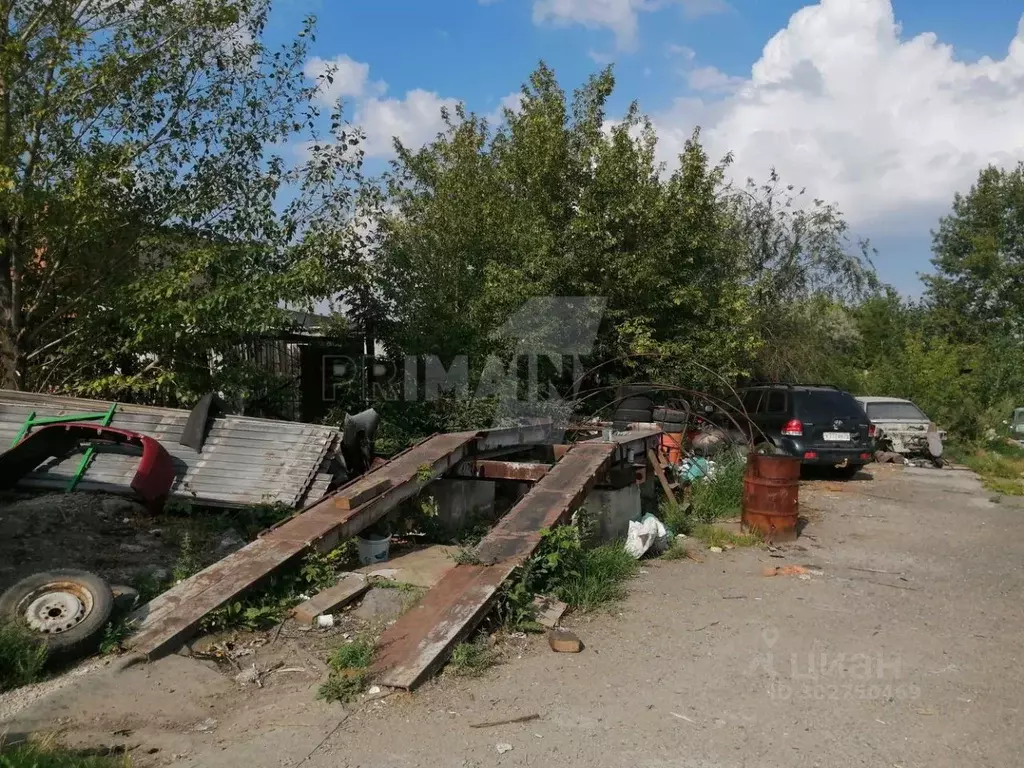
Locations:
(771, 493)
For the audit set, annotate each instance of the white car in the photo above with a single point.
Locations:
(902, 427)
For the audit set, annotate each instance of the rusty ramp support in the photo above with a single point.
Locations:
(167, 621)
(416, 645)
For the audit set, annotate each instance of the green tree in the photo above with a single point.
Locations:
(553, 202)
(977, 289)
(149, 221)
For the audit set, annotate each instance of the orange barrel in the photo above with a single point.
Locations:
(671, 446)
(771, 496)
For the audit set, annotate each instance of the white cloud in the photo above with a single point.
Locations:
(415, 120)
(685, 52)
(342, 77)
(841, 104)
(712, 79)
(620, 16)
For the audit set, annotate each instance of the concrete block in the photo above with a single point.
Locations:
(459, 500)
(614, 509)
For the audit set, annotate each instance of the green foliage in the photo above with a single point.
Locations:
(344, 686)
(999, 463)
(22, 657)
(355, 655)
(676, 550)
(584, 579)
(48, 755)
(348, 677)
(187, 563)
(678, 517)
(465, 556)
(599, 579)
(472, 659)
(720, 495)
(270, 603)
(146, 198)
(114, 635)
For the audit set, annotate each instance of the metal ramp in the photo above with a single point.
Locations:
(421, 640)
(169, 619)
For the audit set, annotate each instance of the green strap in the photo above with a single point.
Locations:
(83, 465)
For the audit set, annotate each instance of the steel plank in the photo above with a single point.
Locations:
(421, 640)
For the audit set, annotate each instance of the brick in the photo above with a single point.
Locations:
(348, 588)
(564, 642)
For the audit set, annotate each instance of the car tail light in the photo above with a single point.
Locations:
(866, 456)
(810, 455)
(871, 430)
(793, 428)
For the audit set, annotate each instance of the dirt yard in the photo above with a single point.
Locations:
(900, 647)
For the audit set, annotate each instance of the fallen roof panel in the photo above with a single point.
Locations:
(244, 460)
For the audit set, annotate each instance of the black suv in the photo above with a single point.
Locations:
(821, 425)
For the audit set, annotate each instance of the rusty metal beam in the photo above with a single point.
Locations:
(502, 470)
(421, 641)
(169, 619)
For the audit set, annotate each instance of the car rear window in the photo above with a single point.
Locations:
(818, 405)
(885, 411)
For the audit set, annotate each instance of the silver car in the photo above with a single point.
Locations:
(902, 427)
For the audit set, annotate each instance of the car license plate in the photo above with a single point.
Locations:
(837, 437)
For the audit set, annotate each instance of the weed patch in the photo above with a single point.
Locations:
(720, 495)
(355, 655)
(465, 556)
(999, 464)
(472, 659)
(22, 657)
(349, 676)
(584, 579)
(114, 635)
(714, 536)
(187, 563)
(600, 578)
(676, 550)
(344, 686)
(270, 605)
(49, 756)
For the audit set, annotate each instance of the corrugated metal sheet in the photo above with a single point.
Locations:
(244, 460)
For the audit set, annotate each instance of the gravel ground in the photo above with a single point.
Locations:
(900, 647)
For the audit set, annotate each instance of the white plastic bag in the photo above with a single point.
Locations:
(646, 534)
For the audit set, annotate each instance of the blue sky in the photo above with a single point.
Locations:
(885, 107)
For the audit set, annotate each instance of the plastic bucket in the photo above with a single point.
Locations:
(374, 549)
(672, 447)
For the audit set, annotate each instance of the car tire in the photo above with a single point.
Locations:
(65, 609)
(630, 414)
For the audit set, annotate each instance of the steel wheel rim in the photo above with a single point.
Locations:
(56, 607)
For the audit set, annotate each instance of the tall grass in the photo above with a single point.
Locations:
(22, 657)
(999, 463)
(48, 755)
(599, 579)
(720, 495)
